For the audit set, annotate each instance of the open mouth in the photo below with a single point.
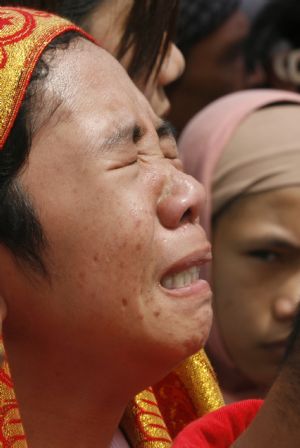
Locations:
(181, 279)
(186, 273)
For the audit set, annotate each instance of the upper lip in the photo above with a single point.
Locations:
(196, 258)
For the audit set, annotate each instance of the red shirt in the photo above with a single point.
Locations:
(219, 429)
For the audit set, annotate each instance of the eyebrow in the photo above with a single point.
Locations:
(166, 129)
(121, 135)
(133, 133)
(277, 242)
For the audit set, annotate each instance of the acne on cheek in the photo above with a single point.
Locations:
(96, 258)
(138, 223)
(122, 265)
(138, 247)
(125, 303)
(127, 246)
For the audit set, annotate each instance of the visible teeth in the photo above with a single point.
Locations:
(182, 279)
(168, 282)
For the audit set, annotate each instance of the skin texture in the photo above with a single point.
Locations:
(256, 279)
(118, 213)
(214, 67)
(107, 25)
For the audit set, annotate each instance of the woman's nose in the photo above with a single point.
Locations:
(172, 66)
(286, 307)
(181, 201)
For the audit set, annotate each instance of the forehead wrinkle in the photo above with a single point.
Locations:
(60, 113)
(58, 109)
(42, 116)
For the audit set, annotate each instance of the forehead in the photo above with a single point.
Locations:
(85, 81)
(280, 207)
(85, 99)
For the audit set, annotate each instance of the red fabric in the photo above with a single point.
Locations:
(219, 429)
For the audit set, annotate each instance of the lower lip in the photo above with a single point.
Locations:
(200, 287)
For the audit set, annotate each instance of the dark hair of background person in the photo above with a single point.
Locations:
(279, 20)
(149, 29)
(199, 19)
(20, 229)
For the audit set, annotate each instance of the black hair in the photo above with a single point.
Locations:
(20, 229)
(279, 20)
(198, 19)
(149, 28)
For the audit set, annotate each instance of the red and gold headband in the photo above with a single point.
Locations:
(24, 34)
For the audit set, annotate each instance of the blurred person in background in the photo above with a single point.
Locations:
(245, 149)
(273, 47)
(211, 36)
(253, 7)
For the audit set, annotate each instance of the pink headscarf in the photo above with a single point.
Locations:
(201, 146)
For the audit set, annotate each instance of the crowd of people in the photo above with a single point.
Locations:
(124, 257)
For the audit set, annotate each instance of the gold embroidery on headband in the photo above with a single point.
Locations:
(24, 34)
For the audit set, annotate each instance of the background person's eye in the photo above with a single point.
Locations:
(266, 255)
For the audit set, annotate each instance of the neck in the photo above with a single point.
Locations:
(63, 403)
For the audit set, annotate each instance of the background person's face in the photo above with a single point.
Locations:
(256, 279)
(122, 224)
(217, 62)
(107, 25)
(215, 66)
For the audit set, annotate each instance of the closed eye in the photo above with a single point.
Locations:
(137, 134)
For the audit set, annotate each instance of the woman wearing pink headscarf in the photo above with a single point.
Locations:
(245, 148)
